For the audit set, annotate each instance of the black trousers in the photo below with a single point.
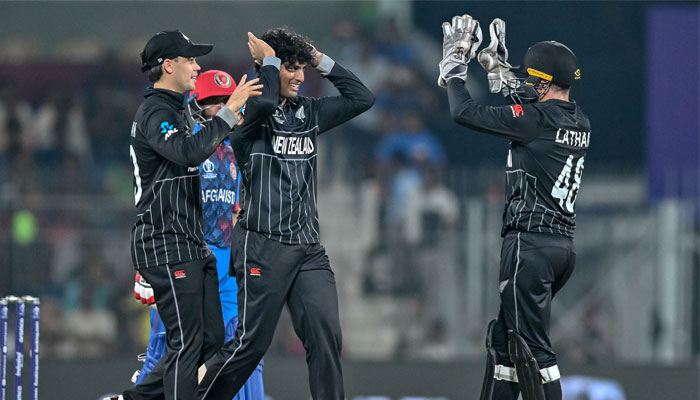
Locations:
(269, 274)
(534, 267)
(187, 297)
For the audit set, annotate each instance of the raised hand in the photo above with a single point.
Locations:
(243, 92)
(460, 40)
(494, 58)
(259, 49)
(318, 56)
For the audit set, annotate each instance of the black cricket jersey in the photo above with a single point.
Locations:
(166, 157)
(548, 144)
(276, 151)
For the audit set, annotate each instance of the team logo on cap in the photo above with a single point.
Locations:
(577, 74)
(222, 80)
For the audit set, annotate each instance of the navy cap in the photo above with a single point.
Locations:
(170, 44)
(551, 61)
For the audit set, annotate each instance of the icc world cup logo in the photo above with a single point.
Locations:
(208, 167)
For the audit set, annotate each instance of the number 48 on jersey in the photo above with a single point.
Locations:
(565, 189)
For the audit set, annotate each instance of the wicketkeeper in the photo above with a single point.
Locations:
(549, 136)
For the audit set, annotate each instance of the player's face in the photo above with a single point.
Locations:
(211, 110)
(291, 77)
(185, 71)
(541, 87)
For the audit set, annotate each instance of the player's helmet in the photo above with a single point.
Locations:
(212, 83)
(551, 61)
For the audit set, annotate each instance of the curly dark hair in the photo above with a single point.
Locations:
(290, 47)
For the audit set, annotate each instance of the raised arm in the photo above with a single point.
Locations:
(260, 107)
(176, 142)
(354, 99)
(516, 122)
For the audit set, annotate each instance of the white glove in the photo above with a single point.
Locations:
(459, 44)
(143, 290)
(494, 58)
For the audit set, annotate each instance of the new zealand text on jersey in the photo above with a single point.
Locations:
(573, 138)
(227, 196)
(292, 145)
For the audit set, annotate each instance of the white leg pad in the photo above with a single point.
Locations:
(550, 374)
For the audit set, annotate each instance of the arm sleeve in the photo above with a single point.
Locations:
(354, 99)
(518, 122)
(175, 141)
(260, 107)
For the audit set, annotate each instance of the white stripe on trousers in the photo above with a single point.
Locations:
(179, 324)
(245, 306)
(515, 282)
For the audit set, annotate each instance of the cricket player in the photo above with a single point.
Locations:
(167, 239)
(276, 254)
(549, 136)
(219, 179)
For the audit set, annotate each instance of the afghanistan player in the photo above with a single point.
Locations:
(276, 253)
(549, 136)
(167, 240)
(219, 178)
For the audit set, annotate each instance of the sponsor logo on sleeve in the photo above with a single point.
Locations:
(168, 129)
(165, 127)
(517, 110)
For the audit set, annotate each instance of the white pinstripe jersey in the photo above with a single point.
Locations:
(276, 152)
(166, 157)
(544, 166)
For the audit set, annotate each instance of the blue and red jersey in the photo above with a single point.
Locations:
(220, 179)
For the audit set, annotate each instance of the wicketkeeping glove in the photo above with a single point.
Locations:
(143, 290)
(460, 40)
(494, 58)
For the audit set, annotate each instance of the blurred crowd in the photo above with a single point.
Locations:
(394, 148)
(66, 200)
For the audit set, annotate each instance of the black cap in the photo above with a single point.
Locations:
(552, 61)
(170, 44)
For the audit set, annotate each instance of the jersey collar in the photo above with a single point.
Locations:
(175, 98)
